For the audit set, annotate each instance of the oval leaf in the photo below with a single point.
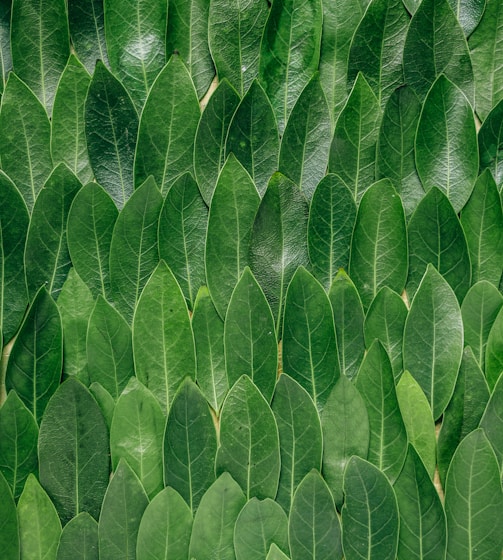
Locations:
(490, 139)
(492, 421)
(79, 539)
(494, 352)
(9, 534)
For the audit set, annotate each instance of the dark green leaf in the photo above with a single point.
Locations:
(490, 140)
(494, 352)
(9, 535)
(79, 539)
(5, 50)
(105, 401)
(492, 420)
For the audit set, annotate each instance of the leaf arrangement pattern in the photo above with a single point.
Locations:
(251, 279)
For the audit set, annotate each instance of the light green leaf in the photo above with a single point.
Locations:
(182, 232)
(213, 530)
(306, 140)
(46, 256)
(168, 126)
(135, 32)
(164, 528)
(276, 553)
(40, 43)
(233, 208)
(433, 340)
(79, 539)
(111, 124)
(494, 352)
(379, 244)
(370, 513)
(73, 451)
(253, 136)
(68, 134)
(190, 445)
(249, 441)
(105, 401)
(300, 436)
(492, 421)
(34, 367)
(249, 336)
(490, 138)
(352, 153)
(9, 534)
(468, 13)
(474, 501)
(25, 150)
(260, 524)
(5, 50)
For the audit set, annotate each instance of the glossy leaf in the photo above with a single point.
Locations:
(314, 529)
(468, 13)
(433, 340)
(190, 445)
(494, 352)
(167, 127)
(9, 535)
(34, 367)
(492, 421)
(79, 539)
(111, 124)
(306, 139)
(73, 451)
(25, 150)
(5, 49)
(182, 232)
(352, 153)
(253, 136)
(133, 249)
(233, 208)
(46, 256)
(249, 442)
(300, 436)
(490, 138)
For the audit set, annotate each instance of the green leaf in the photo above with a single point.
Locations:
(485, 49)
(18, 444)
(422, 517)
(249, 441)
(436, 45)
(109, 348)
(468, 13)
(306, 140)
(260, 524)
(79, 539)
(249, 336)
(494, 352)
(135, 32)
(235, 30)
(40, 43)
(492, 421)
(133, 249)
(233, 208)
(111, 124)
(309, 343)
(90, 225)
(209, 144)
(474, 501)
(418, 420)
(436, 237)
(253, 136)
(332, 215)
(446, 143)
(87, 31)
(164, 528)
(34, 367)
(276, 553)
(39, 524)
(370, 513)
(190, 445)
(314, 529)
(490, 138)
(73, 451)
(46, 256)
(5, 49)
(105, 401)
(168, 126)
(9, 535)
(300, 436)
(289, 52)
(395, 146)
(182, 232)
(136, 435)
(123, 507)
(25, 149)
(208, 330)
(379, 244)
(68, 134)
(14, 222)
(433, 340)
(464, 411)
(348, 318)
(213, 529)
(278, 244)
(346, 432)
(377, 47)
(352, 153)
(385, 320)
(388, 435)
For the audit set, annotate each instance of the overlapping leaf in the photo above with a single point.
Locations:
(9, 534)
(79, 539)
